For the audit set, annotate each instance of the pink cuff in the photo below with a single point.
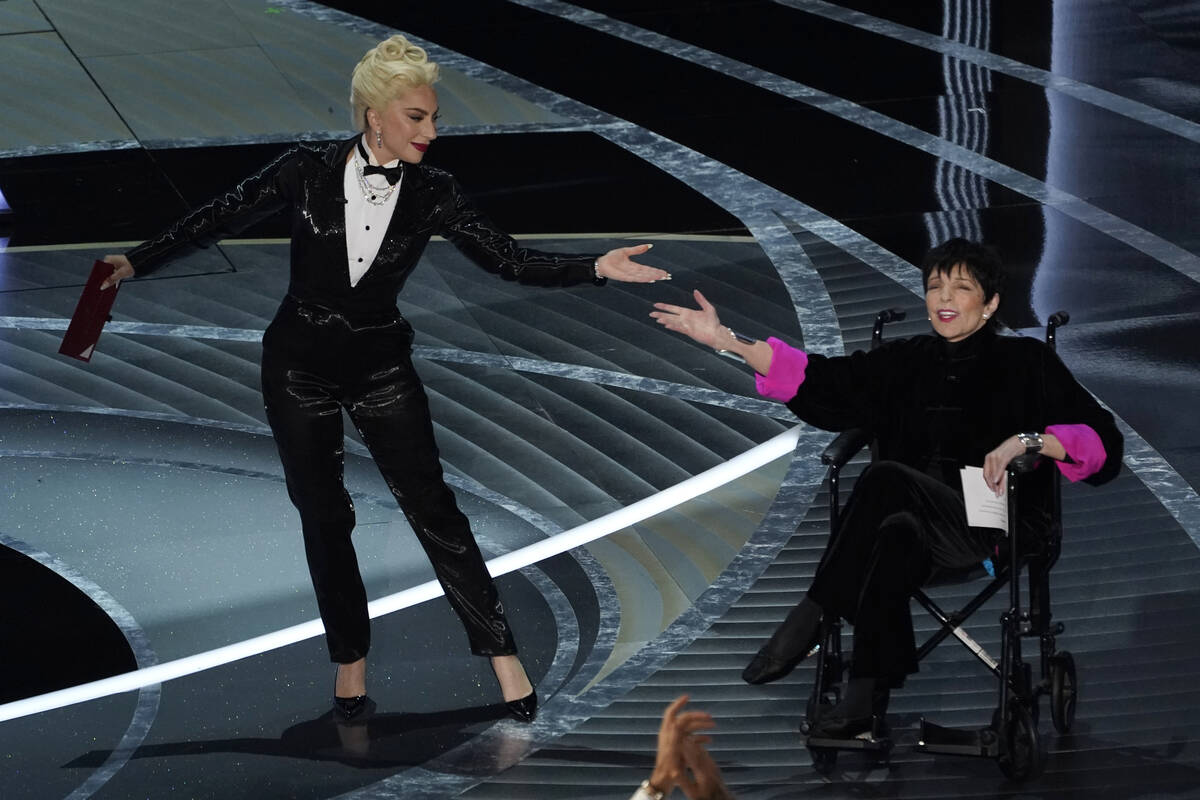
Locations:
(785, 374)
(1084, 448)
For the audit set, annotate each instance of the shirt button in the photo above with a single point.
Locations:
(368, 227)
(360, 261)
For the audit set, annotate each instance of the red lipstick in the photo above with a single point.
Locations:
(421, 148)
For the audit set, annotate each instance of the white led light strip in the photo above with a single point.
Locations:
(538, 551)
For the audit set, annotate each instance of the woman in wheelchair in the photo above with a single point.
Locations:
(934, 403)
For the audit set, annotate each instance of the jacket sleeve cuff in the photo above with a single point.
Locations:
(1084, 448)
(785, 374)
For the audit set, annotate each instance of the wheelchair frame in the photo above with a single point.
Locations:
(1012, 737)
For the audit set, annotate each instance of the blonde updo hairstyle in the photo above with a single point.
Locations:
(388, 70)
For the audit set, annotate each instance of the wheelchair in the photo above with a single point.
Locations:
(1012, 738)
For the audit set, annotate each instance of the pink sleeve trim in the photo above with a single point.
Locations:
(1083, 447)
(785, 374)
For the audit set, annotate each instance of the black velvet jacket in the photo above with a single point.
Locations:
(938, 406)
(308, 181)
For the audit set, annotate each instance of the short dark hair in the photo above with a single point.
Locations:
(981, 262)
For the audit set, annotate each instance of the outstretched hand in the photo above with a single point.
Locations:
(618, 265)
(699, 324)
(122, 269)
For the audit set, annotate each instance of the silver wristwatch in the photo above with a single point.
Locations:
(1032, 441)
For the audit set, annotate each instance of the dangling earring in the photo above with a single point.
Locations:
(378, 138)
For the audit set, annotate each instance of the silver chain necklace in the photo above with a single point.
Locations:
(376, 197)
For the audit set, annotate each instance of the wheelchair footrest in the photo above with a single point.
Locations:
(877, 739)
(957, 741)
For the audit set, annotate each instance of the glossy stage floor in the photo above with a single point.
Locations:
(792, 159)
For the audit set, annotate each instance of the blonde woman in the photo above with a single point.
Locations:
(361, 214)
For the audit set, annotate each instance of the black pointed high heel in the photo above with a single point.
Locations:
(346, 709)
(525, 709)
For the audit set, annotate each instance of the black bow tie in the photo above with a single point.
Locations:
(393, 174)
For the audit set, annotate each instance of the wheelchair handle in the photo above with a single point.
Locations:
(1057, 320)
(883, 318)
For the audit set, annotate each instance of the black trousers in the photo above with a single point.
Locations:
(898, 524)
(316, 363)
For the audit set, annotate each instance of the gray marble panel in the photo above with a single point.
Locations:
(21, 16)
(317, 58)
(49, 99)
(239, 89)
(123, 27)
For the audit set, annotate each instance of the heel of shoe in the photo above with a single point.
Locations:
(347, 709)
(525, 709)
(352, 709)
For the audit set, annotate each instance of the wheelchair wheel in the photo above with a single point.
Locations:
(1063, 691)
(1021, 748)
(824, 759)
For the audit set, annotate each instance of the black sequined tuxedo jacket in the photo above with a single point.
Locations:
(308, 181)
(333, 346)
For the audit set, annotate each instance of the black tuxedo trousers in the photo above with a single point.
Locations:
(317, 362)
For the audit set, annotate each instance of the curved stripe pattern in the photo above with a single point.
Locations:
(777, 227)
(458, 482)
(1101, 98)
(1176, 494)
(754, 203)
(604, 377)
(148, 696)
(1168, 486)
(1153, 245)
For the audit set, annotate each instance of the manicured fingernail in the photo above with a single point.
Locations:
(649, 245)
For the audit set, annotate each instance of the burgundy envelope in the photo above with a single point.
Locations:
(90, 315)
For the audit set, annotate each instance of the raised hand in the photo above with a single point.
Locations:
(700, 324)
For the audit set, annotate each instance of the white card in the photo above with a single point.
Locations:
(984, 509)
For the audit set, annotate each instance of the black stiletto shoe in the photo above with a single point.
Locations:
(346, 709)
(523, 710)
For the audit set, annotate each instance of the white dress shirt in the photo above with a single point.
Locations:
(366, 222)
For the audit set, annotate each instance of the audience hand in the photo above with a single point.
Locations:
(682, 759)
